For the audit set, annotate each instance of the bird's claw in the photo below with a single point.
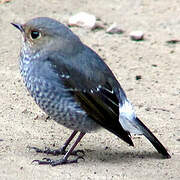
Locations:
(51, 162)
(36, 149)
(56, 152)
(76, 152)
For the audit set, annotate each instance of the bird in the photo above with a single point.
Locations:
(73, 85)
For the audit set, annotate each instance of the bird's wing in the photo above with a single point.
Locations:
(95, 88)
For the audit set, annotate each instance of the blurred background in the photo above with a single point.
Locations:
(148, 70)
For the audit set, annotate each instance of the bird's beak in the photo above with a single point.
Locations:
(18, 26)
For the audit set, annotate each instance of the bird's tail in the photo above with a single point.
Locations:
(155, 142)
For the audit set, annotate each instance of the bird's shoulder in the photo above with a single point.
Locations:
(86, 70)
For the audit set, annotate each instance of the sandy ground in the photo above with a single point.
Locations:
(156, 97)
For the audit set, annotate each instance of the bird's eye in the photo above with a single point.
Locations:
(35, 34)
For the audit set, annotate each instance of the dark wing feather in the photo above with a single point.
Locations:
(95, 92)
(97, 106)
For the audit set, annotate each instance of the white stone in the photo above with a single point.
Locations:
(114, 28)
(137, 35)
(83, 19)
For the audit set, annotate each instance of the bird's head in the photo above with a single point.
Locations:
(44, 34)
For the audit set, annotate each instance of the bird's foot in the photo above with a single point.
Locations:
(56, 152)
(62, 161)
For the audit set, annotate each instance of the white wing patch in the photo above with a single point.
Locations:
(127, 118)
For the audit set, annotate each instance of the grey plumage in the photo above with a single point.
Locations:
(73, 85)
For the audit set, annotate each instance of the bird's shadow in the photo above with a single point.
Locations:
(120, 156)
(115, 156)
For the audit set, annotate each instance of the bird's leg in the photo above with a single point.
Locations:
(61, 151)
(64, 160)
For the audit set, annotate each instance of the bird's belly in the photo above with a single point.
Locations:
(58, 103)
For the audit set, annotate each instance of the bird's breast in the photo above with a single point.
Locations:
(54, 98)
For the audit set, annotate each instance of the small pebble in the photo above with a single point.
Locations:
(4, 1)
(137, 35)
(83, 19)
(154, 65)
(138, 77)
(114, 29)
(147, 109)
(173, 41)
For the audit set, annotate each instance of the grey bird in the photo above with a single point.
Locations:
(74, 86)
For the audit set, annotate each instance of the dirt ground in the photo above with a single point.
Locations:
(156, 96)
